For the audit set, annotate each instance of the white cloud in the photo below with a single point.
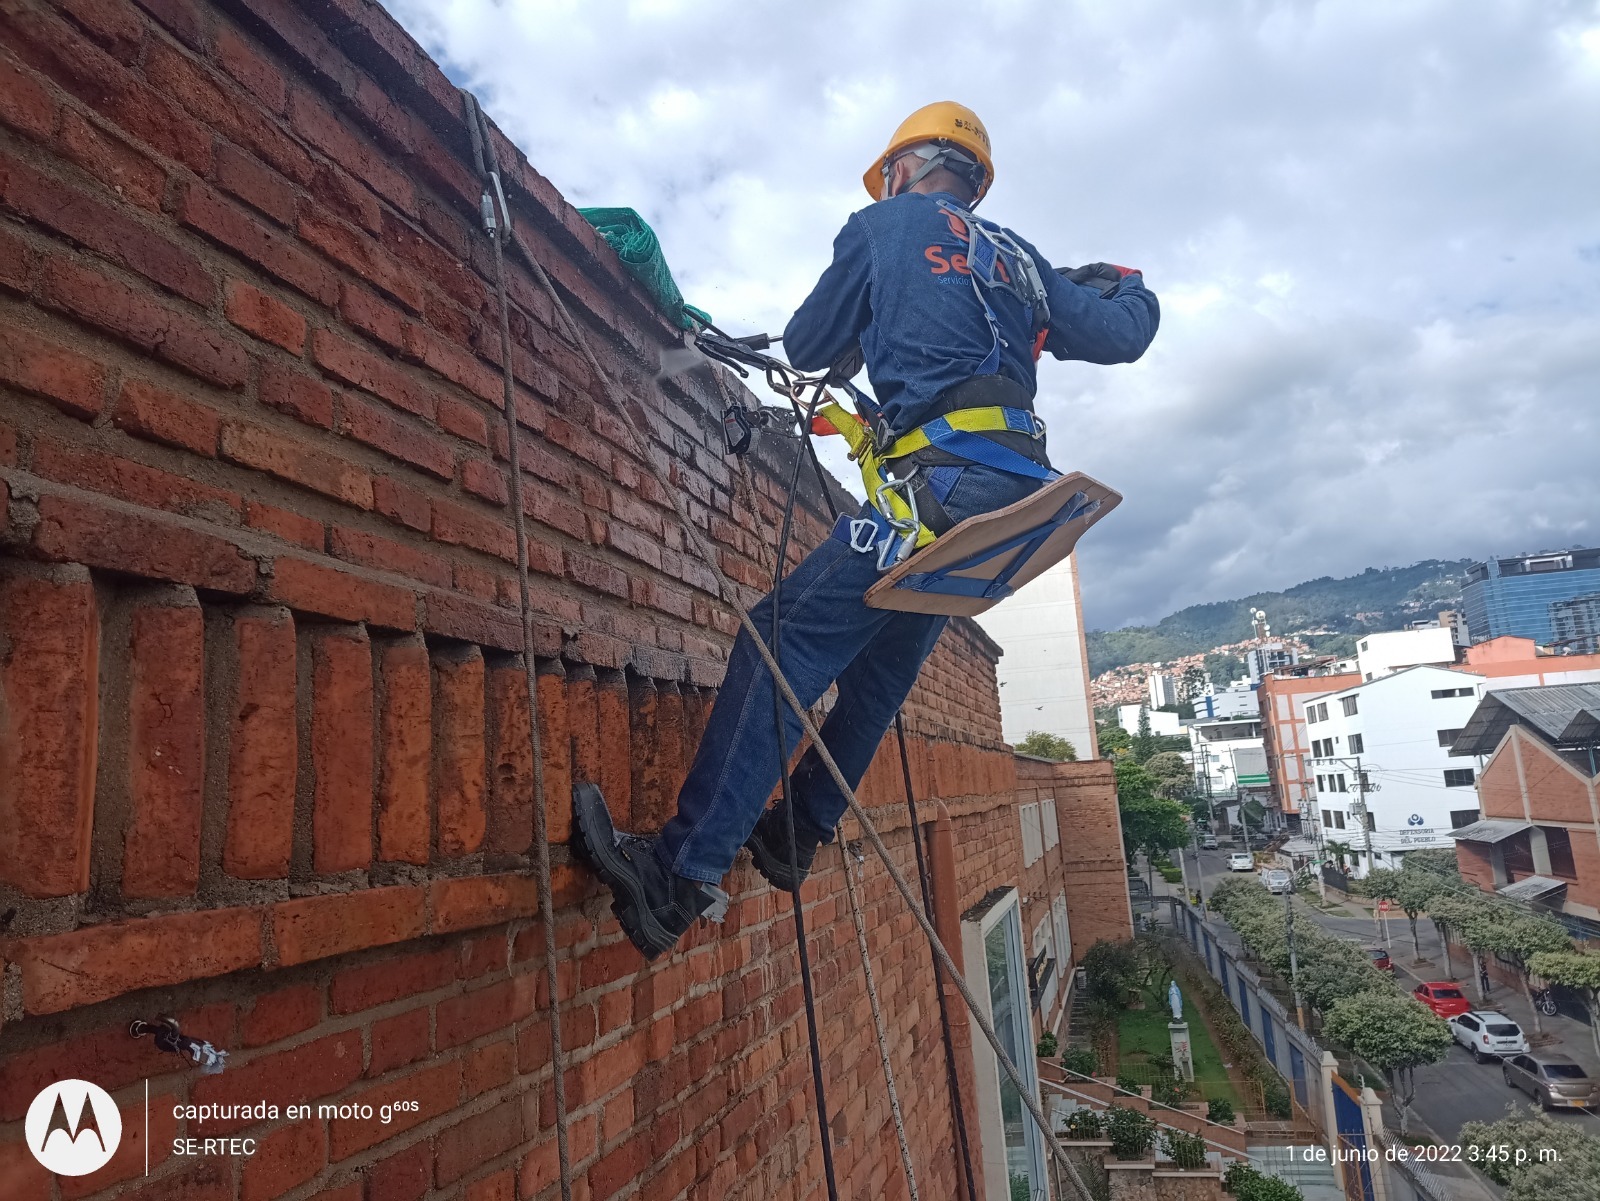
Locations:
(1372, 226)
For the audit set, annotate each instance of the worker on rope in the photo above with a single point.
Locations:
(949, 314)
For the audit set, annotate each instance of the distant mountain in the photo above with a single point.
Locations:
(1380, 598)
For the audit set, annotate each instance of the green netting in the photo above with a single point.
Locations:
(636, 243)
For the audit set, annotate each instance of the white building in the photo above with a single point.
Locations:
(1269, 657)
(1163, 690)
(1385, 745)
(1237, 700)
(1161, 722)
(1380, 654)
(1044, 673)
(1227, 753)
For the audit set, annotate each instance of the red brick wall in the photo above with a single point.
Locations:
(263, 722)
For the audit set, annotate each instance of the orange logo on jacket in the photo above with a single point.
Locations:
(945, 262)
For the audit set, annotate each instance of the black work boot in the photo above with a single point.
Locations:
(769, 847)
(653, 905)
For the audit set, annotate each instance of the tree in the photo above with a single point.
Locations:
(1144, 742)
(1510, 1151)
(1111, 970)
(1113, 739)
(1410, 889)
(1042, 745)
(1340, 852)
(1521, 936)
(1191, 683)
(1577, 971)
(1150, 823)
(1172, 774)
(1393, 1033)
(1438, 861)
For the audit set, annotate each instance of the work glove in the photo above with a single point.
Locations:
(847, 367)
(1107, 277)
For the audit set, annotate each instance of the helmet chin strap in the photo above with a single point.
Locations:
(936, 159)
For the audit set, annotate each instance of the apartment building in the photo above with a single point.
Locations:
(1515, 595)
(1284, 737)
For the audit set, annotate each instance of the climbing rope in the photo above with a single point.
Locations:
(498, 227)
(729, 594)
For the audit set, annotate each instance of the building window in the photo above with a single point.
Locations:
(1440, 694)
(1358, 744)
(1462, 817)
(1311, 715)
(1448, 737)
(1459, 777)
(1372, 821)
(1042, 974)
(1327, 818)
(1322, 712)
(1032, 837)
(1339, 783)
(1350, 704)
(1322, 783)
(1052, 832)
(1338, 820)
(991, 935)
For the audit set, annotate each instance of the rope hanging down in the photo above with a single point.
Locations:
(498, 227)
(729, 595)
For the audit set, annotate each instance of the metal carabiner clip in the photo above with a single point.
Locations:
(900, 545)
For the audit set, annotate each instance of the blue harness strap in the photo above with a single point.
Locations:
(985, 452)
(945, 582)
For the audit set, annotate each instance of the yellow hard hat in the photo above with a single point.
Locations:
(947, 122)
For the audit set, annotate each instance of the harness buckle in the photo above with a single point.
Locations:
(863, 535)
(1038, 427)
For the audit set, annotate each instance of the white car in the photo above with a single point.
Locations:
(1209, 842)
(1276, 880)
(1241, 861)
(1488, 1034)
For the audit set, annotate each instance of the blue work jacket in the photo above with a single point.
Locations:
(899, 287)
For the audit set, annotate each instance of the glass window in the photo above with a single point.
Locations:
(1009, 1011)
(1349, 704)
(1462, 817)
(1458, 777)
(1358, 744)
(1338, 820)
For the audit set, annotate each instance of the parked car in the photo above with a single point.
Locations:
(1488, 1034)
(1241, 861)
(1380, 958)
(1257, 842)
(1276, 880)
(1444, 998)
(1209, 842)
(1552, 1079)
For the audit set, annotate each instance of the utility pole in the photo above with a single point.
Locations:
(1361, 803)
(1294, 962)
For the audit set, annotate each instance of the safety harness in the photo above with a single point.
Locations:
(897, 525)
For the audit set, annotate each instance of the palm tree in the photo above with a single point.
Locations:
(1339, 850)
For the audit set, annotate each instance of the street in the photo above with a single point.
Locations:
(1455, 1090)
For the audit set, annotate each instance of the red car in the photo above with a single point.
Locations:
(1445, 999)
(1380, 959)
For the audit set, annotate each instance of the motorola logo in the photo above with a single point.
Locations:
(73, 1128)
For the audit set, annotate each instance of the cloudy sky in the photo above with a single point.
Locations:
(1374, 228)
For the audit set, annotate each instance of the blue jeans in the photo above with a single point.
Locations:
(827, 633)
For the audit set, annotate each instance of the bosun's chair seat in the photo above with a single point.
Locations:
(985, 559)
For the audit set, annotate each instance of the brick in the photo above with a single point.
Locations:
(105, 230)
(263, 747)
(305, 531)
(436, 1090)
(158, 415)
(305, 1073)
(458, 700)
(501, 1186)
(68, 971)
(317, 927)
(385, 554)
(402, 503)
(325, 130)
(25, 104)
(144, 544)
(359, 254)
(313, 588)
(283, 1160)
(171, 335)
(131, 481)
(269, 319)
(476, 901)
(398, 1041)
(397, 437)
(280, 1015)
(48, 730)
(458, 524)
(241, 60)
(405, 744)
(361, 368)
(456, 365)
(510, 819)
(204, 211)
(472, 1015)
(262, 188)
(613, 714)
(206, 1181)
(484, 480)
(303, 397)
(386, 980)
(365, 312)
(17, 261)
(117, 27)
(341, 749)
(451, 615)
(405, 1176)
(346, 198)
(74, 383)
(290, 459)
(477, 1140)
(130, 173)
(463, 421)
(166, 749)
